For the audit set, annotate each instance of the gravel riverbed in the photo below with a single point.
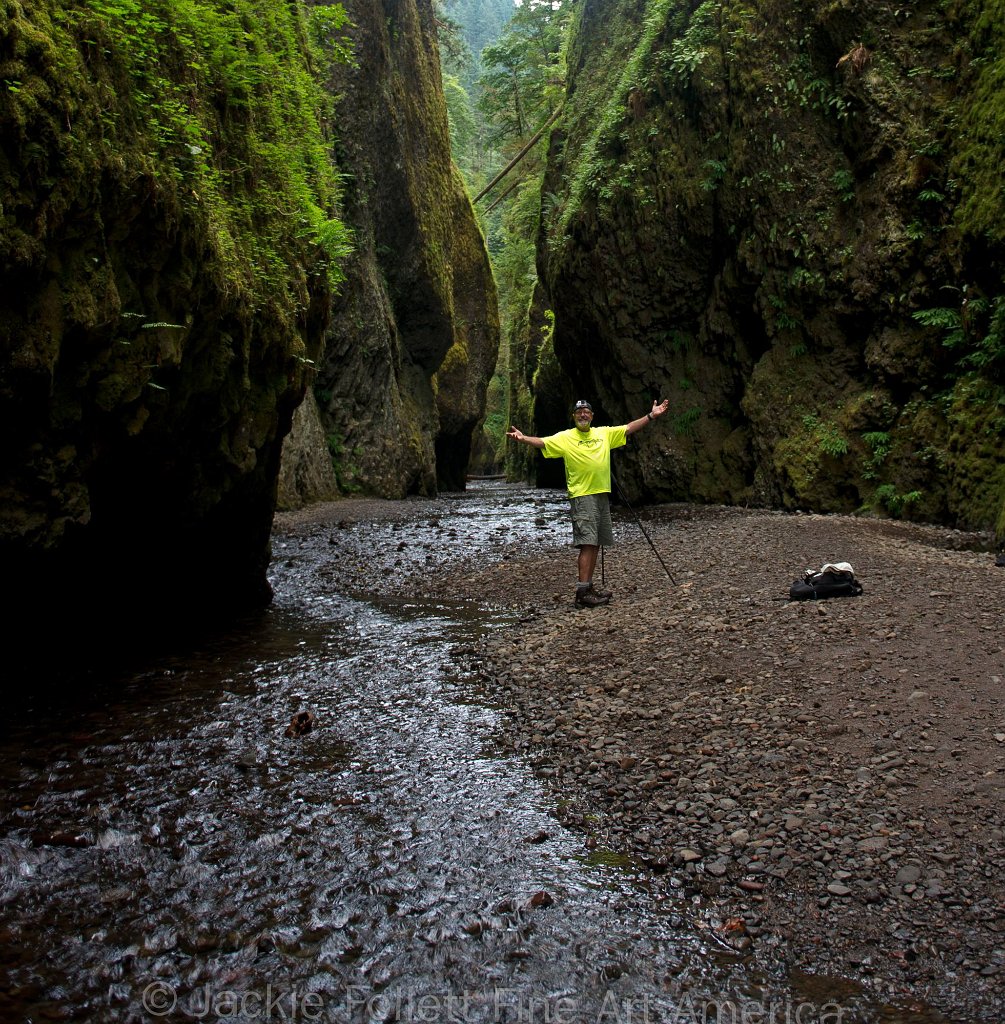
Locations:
(822, 781)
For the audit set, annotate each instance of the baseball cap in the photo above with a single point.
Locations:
(581, 404)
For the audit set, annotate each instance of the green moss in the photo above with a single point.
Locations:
(497, 418)
(975, 417)
(214, 104)
(343, 466)
(798, 460)
(980, 126)
(456, 359)
(610, 88)
(601, 858)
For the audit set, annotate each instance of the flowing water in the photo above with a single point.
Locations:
(169, 853)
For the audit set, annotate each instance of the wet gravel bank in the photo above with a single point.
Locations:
(824, 781)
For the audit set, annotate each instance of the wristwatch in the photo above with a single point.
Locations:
(649, 416)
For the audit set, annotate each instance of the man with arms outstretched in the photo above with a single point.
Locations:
(586, 450)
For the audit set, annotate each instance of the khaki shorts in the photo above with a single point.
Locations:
(591, 520)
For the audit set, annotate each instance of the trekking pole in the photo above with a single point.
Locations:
(643, 529)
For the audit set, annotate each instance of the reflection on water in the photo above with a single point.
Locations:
(169, 853)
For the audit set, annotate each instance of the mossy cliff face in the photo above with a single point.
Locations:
(163, 298)
(788, 218)
(539, 392)
(414, 332)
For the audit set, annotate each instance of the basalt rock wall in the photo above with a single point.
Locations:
(164, 296)
(415, 330)
(176, 278)
(787, 218)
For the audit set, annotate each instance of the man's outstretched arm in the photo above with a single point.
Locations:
(657, 410)
(519, 435)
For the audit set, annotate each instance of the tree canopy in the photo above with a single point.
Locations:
(522, 76)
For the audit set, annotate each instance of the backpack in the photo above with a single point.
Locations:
(835, 579)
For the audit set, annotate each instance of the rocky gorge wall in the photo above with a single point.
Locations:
(415, 327)
(168, 258)
(788, 219)
(178, 276)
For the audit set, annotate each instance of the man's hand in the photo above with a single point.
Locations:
(657, 410)
(519, 435)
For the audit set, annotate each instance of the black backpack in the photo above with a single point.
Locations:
(830, 581)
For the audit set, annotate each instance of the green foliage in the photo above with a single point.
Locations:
(944, 319)
(811, 91)
(931, 148)
(879, 443)
(464, 28)
(512, 246)
(520, 83)
(975, 331)
(684, 424)
(827, 435)
(332, 236)
(844, 183)
(522, 73)
(592, 166)
(328, 25)
(989, 354)
(886, 497)
(495, 101)
(462, 122)
(480, 23)
(716, 172)
(784, 321)
(497, 417)
(807, 280)
(455, 52)
(687, 52)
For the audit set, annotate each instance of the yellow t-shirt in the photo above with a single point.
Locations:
(587, 457)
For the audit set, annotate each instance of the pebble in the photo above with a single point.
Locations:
(909, 873)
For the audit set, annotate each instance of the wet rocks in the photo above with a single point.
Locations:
(71, 839)
(301, 724)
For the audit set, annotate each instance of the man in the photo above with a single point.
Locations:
(587, 453)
